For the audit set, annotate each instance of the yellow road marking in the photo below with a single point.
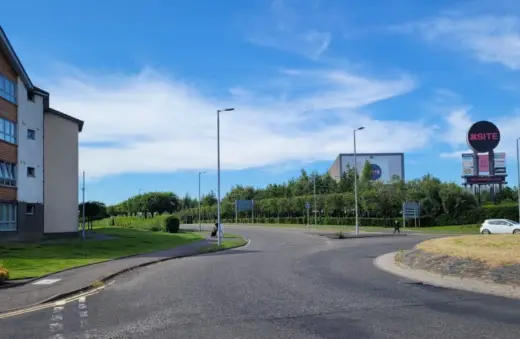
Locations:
(52, 304)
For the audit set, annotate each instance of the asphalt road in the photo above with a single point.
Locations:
(283, 285)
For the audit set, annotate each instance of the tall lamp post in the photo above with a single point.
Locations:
(200, 222)
(219, 227)
(315, 206)
(518, 173)
(355, 181)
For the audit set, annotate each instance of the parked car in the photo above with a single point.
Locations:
(500, 226)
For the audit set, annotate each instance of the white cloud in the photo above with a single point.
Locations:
(289, 28)
(492, 39)
(151, 123)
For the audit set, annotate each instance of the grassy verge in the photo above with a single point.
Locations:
(28, 260)
(458, 229)
(494, 250)
(227, 242)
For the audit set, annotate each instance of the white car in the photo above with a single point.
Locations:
(500, 226)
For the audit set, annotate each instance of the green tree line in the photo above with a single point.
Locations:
(441, 202)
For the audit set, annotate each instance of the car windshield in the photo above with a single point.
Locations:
(511, 221)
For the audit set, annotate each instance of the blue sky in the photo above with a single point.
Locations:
(147, 78)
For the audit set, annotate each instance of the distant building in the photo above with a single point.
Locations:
(385, 166)
(38, 156)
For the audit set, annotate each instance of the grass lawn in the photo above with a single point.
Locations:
(227, 242)
(28, 260)
(495, 250)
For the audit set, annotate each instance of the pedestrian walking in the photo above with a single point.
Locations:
(397, 227)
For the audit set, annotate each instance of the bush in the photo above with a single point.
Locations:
(4, 274)
(172, 224)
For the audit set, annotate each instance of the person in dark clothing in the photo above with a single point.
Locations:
(214, 231)
(397, 227)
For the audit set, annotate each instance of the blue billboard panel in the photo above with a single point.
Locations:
(244, 205)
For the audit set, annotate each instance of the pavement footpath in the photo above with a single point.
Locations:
(77, 280)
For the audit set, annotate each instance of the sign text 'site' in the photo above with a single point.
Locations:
(483, 136)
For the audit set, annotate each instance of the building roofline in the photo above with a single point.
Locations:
(66, 116)
(374, 154)
(8, 49)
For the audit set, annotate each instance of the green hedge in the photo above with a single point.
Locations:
(172, 224)
(475, 216)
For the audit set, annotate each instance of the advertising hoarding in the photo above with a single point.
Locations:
(467, 164)
(483, 164)
(500, 163)
(384, 165)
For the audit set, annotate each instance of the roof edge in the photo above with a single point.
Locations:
(67, 117)
(15, 60)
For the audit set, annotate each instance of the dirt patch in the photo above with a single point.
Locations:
(444, 264)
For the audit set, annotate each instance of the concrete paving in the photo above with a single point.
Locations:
(284, 284)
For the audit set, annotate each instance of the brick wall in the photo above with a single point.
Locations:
(7, 193)
(6, 69)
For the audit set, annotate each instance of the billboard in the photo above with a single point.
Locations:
(384, 165)
(483, 164)
(467, 164)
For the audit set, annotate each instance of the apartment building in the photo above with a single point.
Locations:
(38, 156)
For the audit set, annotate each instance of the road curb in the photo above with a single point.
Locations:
(387, 263)
(108, 278)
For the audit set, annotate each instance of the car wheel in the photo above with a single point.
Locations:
(487, 232)
(516, 232)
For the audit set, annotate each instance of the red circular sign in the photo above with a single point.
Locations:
(483, 136)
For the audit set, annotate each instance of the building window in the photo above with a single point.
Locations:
(7, 131)
(30, 96)
(7, 174)
(7, 217)
(31, 172)
(30, 209)
(7, 89)
(31, 134)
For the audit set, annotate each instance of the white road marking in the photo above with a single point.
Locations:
(83, 314)
(56, 325)
(46, 281)
(56, 317)
(248, 242)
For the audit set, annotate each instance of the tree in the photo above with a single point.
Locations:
(93, 210)
(209, 199)
(366, 173)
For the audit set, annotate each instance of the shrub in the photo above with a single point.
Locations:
(172, 224)
(4, 274)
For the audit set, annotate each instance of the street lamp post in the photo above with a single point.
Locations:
(355, 181)
(315, 207)
(219, 227)
(200, 222)
(518, 174)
